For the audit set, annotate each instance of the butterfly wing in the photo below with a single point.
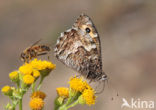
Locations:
(80, 49)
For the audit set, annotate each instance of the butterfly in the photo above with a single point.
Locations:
(80, 49)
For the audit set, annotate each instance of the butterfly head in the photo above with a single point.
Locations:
(104, 77)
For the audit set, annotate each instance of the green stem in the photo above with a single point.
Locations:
(21, 100)
(20, 104)
(33, 87)
(63, 107)
(73, 104)
(40, 83)
(69, 101)
(13, 108)
(13, 104)
(18, 84)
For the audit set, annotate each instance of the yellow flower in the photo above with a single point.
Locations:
(89, 96)
(28, 79)
(35, 67)
(36, 73)
(36, 103)
(41, 65)
(77, 84)
(38, 94)
(36, 63)
(63, 92)
(13, 75)
(48, 65)
(26, 69)
(7, 90)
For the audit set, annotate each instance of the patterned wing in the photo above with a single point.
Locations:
(79, 48)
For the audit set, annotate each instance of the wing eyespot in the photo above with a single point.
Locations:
(88, 30)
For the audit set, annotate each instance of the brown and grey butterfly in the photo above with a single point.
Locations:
(79, 48)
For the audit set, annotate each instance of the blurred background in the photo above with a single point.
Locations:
(128, 37)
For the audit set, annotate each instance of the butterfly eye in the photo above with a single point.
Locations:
(88, 30)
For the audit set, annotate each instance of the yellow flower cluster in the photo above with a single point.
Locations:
(63, 92)
(26, 69)
(25, 77)
(7, 90)
(31, 71)
(36, 73)
(38, 94)
(28, 79)
(41, 65)
(36, 102)
(13, 75)
(79, 85)
(89, 96)
(79, 89)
